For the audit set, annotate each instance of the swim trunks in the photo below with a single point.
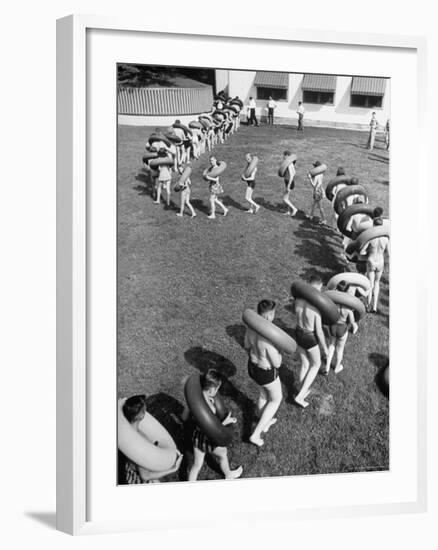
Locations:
(261, 376)
(306, 339)
(339, 330)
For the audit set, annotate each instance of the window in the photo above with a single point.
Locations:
(277, 94)
(366, 101)
(321, 98)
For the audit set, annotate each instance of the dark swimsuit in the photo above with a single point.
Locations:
(251, 183)
(338, 330)
(306, 339)
(261, 376)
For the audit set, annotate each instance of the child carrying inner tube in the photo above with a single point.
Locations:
(210, 383)
(215, 190)
(318, 194)
(339, 333)
(264, 360)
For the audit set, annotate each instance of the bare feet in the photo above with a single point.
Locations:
(211, 217)
(301, 402)
(294, 212)
(225, 212)
(258, 441)
(270, 423)
(286, 213)
(179, 215)
(339, 369)
(257, 208)
(193, 216)
(250, 211)
(156, 202)
(234, 474)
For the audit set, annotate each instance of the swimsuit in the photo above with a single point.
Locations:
(305, 338)
(339, 330)
(251, 183)
(202, 441)
(260, 375)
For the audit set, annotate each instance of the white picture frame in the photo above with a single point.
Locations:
(73, 277)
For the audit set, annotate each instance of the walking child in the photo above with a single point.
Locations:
(250, 180)
(202, 444)
(318, 194)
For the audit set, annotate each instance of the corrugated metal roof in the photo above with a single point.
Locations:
(319, 82)
(367, 85)
(268, 79)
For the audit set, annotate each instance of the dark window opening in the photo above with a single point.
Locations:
(321, 98)
(277, 94)
(366, 101)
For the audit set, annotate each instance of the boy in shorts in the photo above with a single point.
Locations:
(202, 444)
(309, 336)
(264, 360)
(339, 334)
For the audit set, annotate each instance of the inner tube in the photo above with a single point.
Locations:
(346, 192)
(327, 309)
(237, 102)
(368, 235)
(285, 163)
(356, 279)
(161, 161)
(235, 108)
(250, 167)
(344, 299)
(216, 171)
(205, 115)
(219, 115)
(186, 174)
(195, 124)
(152, 449)
(148, 155)
(173, 138)
(187, 131)
(318, 170)
(333, 183)
(205, 122)
(350, 211)
(280, 339)
(209, 423)
(159, 137)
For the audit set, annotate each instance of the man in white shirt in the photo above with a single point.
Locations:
(271, 105)
(252, 120)
(373, 131)
(300, 113)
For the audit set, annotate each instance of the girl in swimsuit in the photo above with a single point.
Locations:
(263, 363)
(215, 190)
(339, 334)
(290, 184)
(250, 181)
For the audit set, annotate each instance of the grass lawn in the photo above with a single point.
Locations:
(183, 284)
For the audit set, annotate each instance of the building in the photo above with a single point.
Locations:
(159, 104)
(329, 100)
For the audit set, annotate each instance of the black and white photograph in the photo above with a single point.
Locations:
(253, 249)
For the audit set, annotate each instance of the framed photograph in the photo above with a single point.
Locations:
(237, 326)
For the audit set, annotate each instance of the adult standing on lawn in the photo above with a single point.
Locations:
(264, 360)
(387, 134)
(300, 113)
(289, 178)
(373, 131)
(309, 336)
(252, 120)
(215, 189)
(271, 106)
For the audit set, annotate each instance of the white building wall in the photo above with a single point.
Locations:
(338, 115)
(222, 77)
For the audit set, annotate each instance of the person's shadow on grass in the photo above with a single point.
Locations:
(199, 205)
(203, 359)
(381, 362)
(279, 207)
(230, 202)
(147, 186)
